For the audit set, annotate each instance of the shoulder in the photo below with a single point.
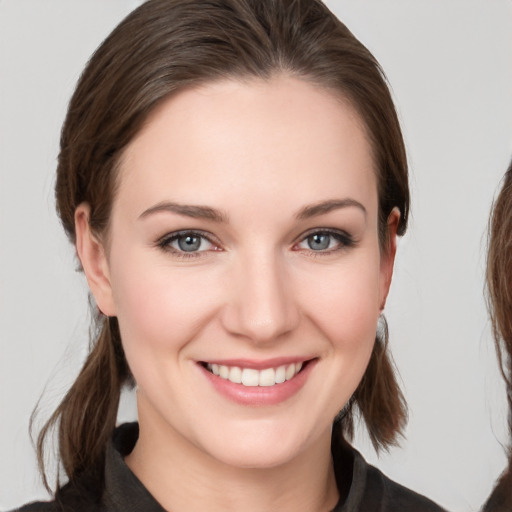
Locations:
(100, 491)
(38, 506)
(392, 495)
(81, 497)
(369, 489)
(61, 506)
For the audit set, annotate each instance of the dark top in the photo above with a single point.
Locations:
(362, 487)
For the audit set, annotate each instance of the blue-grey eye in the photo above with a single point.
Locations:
(189, 243)
(326, 241)
(186, 243)
(319, 241)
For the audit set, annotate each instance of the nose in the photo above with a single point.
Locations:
(261, 305)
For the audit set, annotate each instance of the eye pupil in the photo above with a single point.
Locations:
(319, 241)
(189, 243)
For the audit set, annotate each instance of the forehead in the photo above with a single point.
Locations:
(251, 137)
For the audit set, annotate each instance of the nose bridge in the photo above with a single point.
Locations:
(262, 307)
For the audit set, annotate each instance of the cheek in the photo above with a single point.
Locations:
(347, 307)
(159, 308)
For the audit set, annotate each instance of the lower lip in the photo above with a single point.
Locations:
(259, 395)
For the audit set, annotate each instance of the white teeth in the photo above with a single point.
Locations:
(280, 374)
(267, 377)
(252, 378)
(223, 371)
(290, 371)
(235, 375)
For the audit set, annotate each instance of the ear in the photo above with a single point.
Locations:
(387, 258)
(92, 255)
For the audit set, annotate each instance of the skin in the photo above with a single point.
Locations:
(262, 154)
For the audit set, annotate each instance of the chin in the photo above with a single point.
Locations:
(257, 446)
(255, 457)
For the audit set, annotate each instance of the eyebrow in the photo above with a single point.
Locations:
(187, 210)
(208, 213)
(327, 206)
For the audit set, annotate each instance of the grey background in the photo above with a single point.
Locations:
(450, 66)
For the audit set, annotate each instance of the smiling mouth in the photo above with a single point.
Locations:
(251, 377)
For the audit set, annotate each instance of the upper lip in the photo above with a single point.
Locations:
(259, 364)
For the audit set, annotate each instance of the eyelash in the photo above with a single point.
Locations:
(345, 241)
(165, 242)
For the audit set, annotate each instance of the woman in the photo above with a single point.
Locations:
(499, 287)
(233, 176)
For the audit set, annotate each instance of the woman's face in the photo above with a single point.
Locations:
(243, 265)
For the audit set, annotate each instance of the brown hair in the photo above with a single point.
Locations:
(160, 48)
(499, 301)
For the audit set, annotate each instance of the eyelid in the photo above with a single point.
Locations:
(164, 242)
(345, 239)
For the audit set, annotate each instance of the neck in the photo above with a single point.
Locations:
(181, 477)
